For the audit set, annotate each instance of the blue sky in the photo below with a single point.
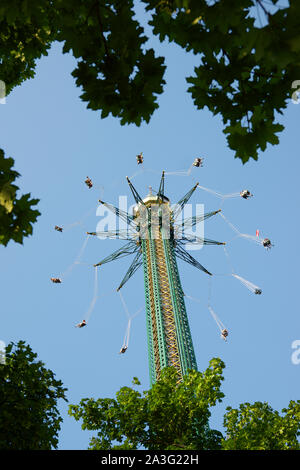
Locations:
(56, 142)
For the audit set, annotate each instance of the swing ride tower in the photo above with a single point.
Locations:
(168, 333)
(157, 240)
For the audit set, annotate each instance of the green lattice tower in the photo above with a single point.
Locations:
(156, 240)
(168, 333)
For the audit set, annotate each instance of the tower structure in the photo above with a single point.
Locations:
(156, 239)
(168, 333)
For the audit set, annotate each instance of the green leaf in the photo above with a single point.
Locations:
(29, 416)
(168, 416)
(16, 215)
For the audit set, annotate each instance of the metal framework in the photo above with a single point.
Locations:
(153, 238)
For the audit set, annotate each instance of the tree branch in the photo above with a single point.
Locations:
(102, 31)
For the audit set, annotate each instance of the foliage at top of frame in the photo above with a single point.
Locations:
(246, 66)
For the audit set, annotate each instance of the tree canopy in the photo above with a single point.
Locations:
(246, 67)
(258, 427)
(169, 416)
(16, 214)
(175, 416)
(248, 56)
(29, 417)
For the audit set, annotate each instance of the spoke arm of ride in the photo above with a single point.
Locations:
(199, 240)
(161, 190)
(191, 221)
(136, 195)
(182, 202)
(122, 214)
(185, 256)
(136, 263)
(126, 250)
(121, 234)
